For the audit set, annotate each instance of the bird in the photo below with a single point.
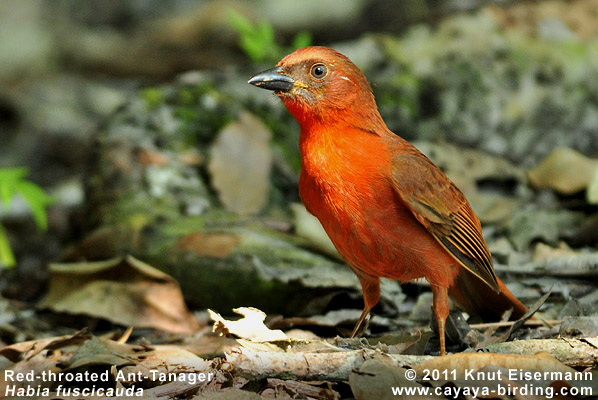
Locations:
(388, 209)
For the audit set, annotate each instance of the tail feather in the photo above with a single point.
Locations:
(474, 296)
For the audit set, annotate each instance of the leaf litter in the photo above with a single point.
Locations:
(124, 290)
(258, 357)
(240, 164)
(261, 362)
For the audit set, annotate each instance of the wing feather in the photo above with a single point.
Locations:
(443, 209)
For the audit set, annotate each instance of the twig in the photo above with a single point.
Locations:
(550, 323)
(333, 366)
(125, 336)
(336, 366)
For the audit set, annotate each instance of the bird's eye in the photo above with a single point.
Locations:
(319, 71)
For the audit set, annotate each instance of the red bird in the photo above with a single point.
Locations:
(389, 211)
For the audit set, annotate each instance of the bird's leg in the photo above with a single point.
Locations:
(360, 325)
(371, 295)
(441, 307)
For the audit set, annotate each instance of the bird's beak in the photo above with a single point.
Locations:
(273, 79)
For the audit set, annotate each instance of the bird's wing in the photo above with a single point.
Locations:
(441, 207)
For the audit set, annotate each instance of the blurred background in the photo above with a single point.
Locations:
(127, 127)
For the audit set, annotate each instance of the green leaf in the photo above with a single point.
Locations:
(7, 258)
(240, 23)
(37, 200)
(266, 33)
(302, 39)
(13, 174)
(12, 182)
(256, 39)
(153, 97)
(6, 194)
(8, 181)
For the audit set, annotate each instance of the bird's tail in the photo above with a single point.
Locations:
(474, 296)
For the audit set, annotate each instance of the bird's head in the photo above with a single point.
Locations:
(317, 84)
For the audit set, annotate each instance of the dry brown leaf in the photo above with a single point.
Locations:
(33, 369)
(195, 375)
(122, 290)
(240, 165)
(99, 351)
(208, 345)
(217, 245)
(165, 356)
(35, 359)
(564, 170)
(250, 327)
(544, 252)
(162, 359)
(165, 372)
(19, 351)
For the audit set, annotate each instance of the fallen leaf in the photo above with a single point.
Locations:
(302, 334)
(98, 351)
(517, 324)
(240, 165)
(543, 252)
(564, 170)
(163, 371)
(403, 343)
(36, 357)
(163, 359)
(122, 290)
(217, 245)
(527, 225)
(492, 207)
(250, 327)
(33, 369)
(18, 351)
(579, 326)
